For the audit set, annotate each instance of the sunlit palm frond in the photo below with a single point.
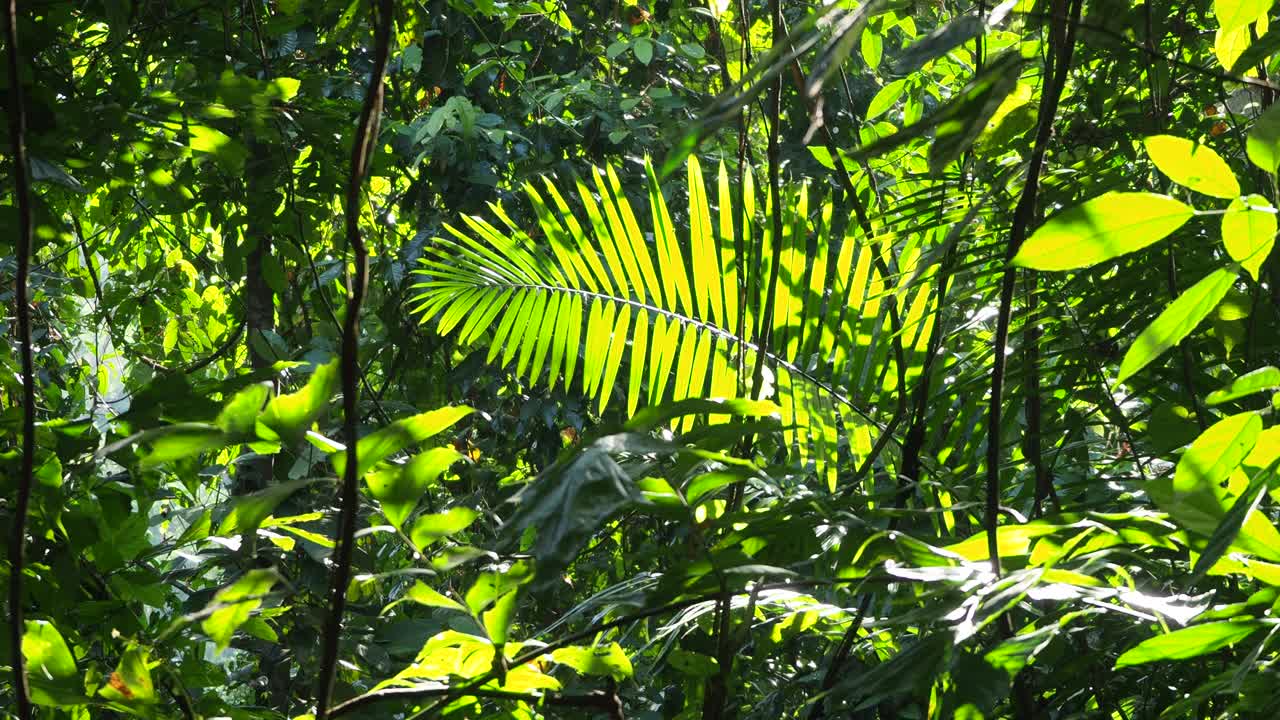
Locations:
(659, 316)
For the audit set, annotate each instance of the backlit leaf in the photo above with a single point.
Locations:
(1192, 166)
(1103, 228)
(1249, 232)
(1189, 642)
(1177, 321)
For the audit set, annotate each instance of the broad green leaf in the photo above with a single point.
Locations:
(1229, 529)
(170, 336)
(240, 414)
(424, 594)
(229, 153)
(643, 48)
(46, 652)
(1260, 380)
(885, 98)
(1177, 321)
(1232, 14)
(1266, 450)
(872, 47)
(1249, 232)
(399, 487)
(492, 598)
(381, 444)
(568, 503)
(1103, 228)
(183, 440)
(131, 682)
(51, 668)
(608, 660)
(248, 511)
(1189, 642)
(1216, 453)
(235, 603)
(1192, 166)
(1263, 144)
(289, 417)
(429, 528)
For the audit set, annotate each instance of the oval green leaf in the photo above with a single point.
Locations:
(1189, 642)
(1103, 228)
(1234, 14)
(1260, 380)
(885, 99)
(1263, 145)
(1249, 232)
(1192, 165)
(1177, 321)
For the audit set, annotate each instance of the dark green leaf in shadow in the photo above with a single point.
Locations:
(964, 117)
(572, 499)
(977, 105)
(941, 41)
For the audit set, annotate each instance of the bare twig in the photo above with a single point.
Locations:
(1022, 218)
(18, 537)
(361, 151)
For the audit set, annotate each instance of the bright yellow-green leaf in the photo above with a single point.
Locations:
(229, 153)
(1260, 380)
(424, 594)
(170, 336)
(429, 528)
(234, 604)
(608, 660)
(1216, 453)
(1232, 14)
(288, 417)
(1249, 232)
(1189, 642)
(1103, 228)
(400, 434)
(51, 668)
(1192, 166)
(1177, 321)
(885, 98)
(131, 682)
(398, 488)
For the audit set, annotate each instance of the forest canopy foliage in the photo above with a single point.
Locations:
(664, 359)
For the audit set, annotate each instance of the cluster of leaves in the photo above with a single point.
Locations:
(688, 333)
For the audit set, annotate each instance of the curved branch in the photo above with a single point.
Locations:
(362, 148)
(18, 537)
